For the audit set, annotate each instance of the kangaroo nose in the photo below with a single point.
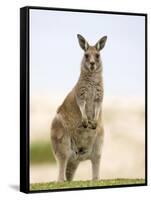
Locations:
(92, 63)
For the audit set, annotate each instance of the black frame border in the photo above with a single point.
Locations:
(24, 100)
(25, 97)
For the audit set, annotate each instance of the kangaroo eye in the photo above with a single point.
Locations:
(86, 56)
(97, 56)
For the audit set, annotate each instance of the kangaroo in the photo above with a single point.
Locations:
(77, 129)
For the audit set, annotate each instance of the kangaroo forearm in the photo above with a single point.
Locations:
(97, 110)
(81, 104)
(81, 95)
(82, 109)
(98, 102)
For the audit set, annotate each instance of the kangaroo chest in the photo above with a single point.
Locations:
(90, 101)
(93, 90)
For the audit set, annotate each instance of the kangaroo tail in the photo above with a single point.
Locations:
(71, 169)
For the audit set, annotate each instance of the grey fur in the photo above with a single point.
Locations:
(77, 129)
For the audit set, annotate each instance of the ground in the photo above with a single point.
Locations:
(83, 184)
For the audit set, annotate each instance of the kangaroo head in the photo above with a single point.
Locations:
(91, 60)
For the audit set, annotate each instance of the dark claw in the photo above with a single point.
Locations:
(93, 124)
(85, 123)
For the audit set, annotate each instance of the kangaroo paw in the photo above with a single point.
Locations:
(85, 123)
(93, 124)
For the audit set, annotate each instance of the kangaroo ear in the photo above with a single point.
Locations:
(83, 43)
(101, 43)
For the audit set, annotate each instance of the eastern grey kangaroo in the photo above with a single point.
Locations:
(77, 129)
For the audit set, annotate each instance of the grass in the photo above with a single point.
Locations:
(84, 184)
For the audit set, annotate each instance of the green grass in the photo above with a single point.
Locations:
(40, 152)
(83, 184)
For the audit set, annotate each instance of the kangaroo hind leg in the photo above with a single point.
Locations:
(61, 146)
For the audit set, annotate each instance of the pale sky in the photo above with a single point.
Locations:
(55, 54)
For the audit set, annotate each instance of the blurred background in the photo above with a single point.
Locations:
(55, 58)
